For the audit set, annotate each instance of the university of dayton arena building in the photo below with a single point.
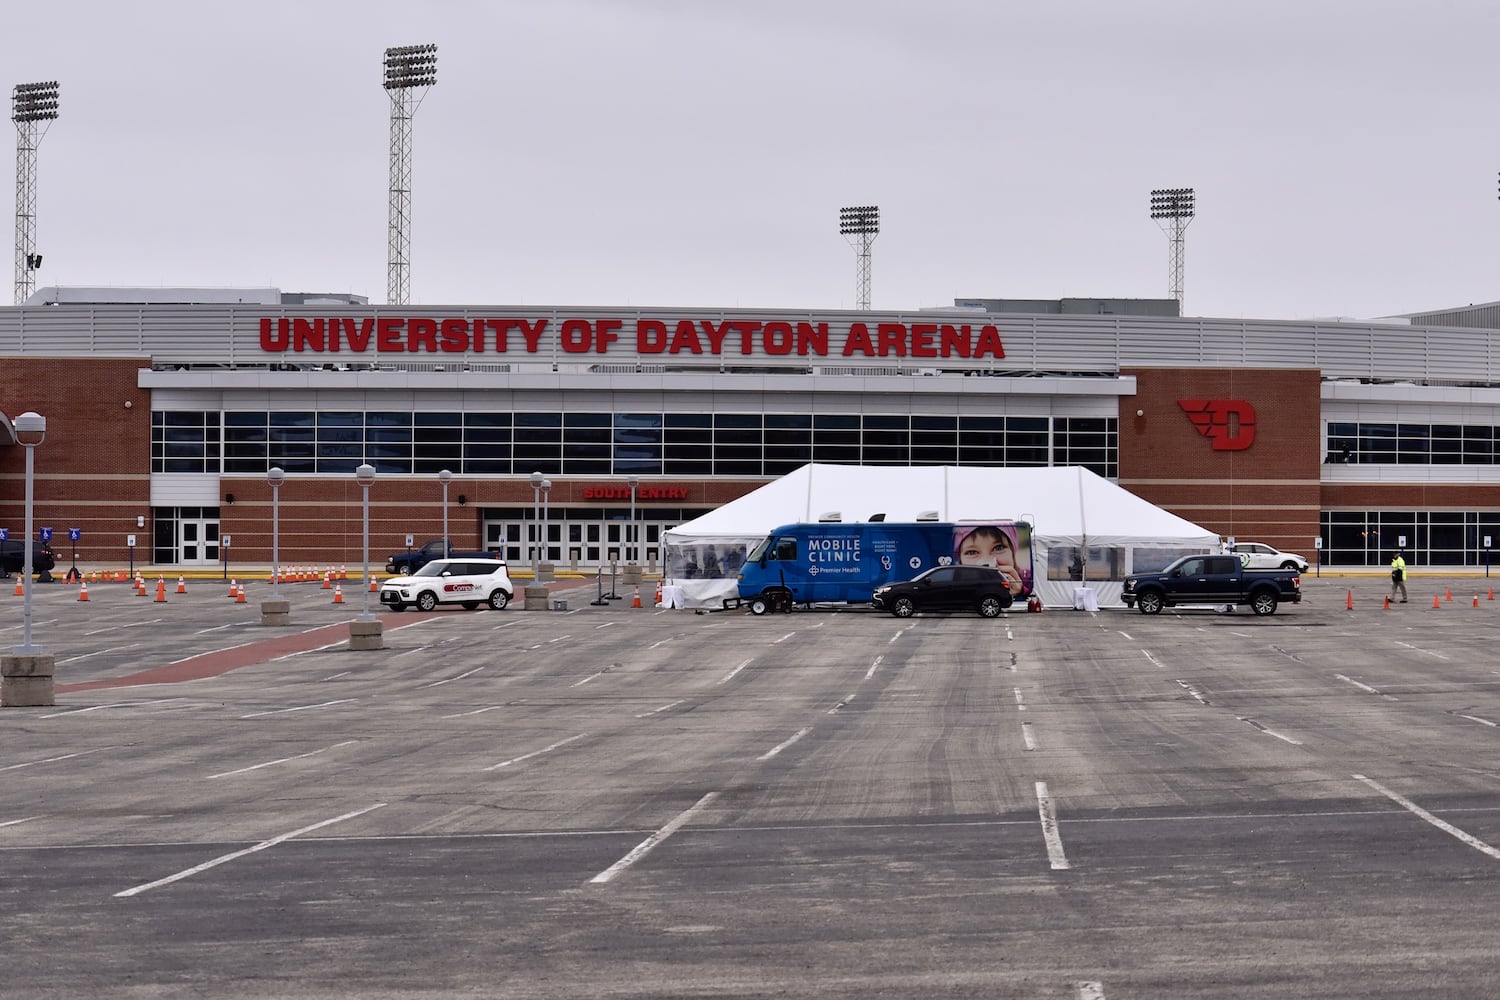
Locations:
(166, 409)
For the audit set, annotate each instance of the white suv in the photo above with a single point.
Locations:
(1259, 555)
(467, 582)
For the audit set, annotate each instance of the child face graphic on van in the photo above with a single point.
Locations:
(992, 546)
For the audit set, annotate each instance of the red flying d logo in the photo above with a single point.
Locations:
(1228, 423)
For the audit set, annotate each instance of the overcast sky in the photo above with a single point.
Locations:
(696, 152)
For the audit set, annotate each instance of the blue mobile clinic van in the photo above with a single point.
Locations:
(844, 563)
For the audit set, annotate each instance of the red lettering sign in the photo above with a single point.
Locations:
(1228, 423)
(641, 493)
(387, 334)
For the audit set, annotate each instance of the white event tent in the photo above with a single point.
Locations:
(1086, 531)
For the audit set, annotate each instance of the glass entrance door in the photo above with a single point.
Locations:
(197, 542)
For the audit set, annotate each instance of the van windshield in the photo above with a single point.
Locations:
(759, 550)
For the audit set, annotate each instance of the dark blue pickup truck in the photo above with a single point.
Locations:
(1212, 580)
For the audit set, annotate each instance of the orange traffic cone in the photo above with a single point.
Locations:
(20, 586)
(239, 595)
(343, 572)
(181, 585)
(374, 586)
(1437, 602)
(232, 590)
(1448, 594)
(140, 586)
(120, 576)
(658, 592)
(1349, 600)
(161, 591)
(1476, 600)
(1492, 595)
(327, 580)
(338, 594)
(83, 591)
(1387, 605)
(637, 601)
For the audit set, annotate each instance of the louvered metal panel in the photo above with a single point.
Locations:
(229, 335)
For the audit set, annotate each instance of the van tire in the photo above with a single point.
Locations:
(498, 599)
(759, 606)
(426, 600)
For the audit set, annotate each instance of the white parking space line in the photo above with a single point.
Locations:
(1055, 855)
(117, 704)
(1192, 691)
(1270, 732)
(1027, 737)
(53, 760)
(782, 746)
(216, 628)
(1418, 811)
(736, 670)
(18, 822)
(450, 680)
(17, 628)
(784, 638)
(1090, 991)
(1153, 659)
(674, 704)
(1128, 637)
(281, 760)
(98, 652)
(299, 708)
(1427, 652)
(646, 846)
(835, 709)
(117, 628)
(606, 625)
(476, 711)
(871, 672)
(1482, 722)
(1362, 687)
(590, 677)
(535, 753)
(189, 872)
(896, 636)
(1020, 700)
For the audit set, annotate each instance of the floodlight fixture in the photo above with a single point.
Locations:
(409, 71)
(860, 224)
(33, 107)
(1173, 209)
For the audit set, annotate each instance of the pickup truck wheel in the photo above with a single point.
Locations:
(1263, 603)
(902, 607)
(499, 599)
(759, 606)
(1150, 603)
(990, 607)
(426, 600)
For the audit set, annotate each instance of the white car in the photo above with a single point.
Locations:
(465, 582)
(1259, 555)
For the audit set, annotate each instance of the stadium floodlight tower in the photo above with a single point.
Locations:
(1172, 208)
(860, 224)
(409, 71)
(33, 106)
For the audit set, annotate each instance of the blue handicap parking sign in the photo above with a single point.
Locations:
(4, 534)
(46, 534)
(74, 534)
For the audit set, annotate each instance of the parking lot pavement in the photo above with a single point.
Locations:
(522, 803)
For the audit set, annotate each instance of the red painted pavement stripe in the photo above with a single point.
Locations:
(221, 661)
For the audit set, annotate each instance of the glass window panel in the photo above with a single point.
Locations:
(341, 418)
(437, 419)
(587, 420)
(738, 420)
(179, 434)
(390, 466)
(437, 435)
(934, 423)
(374, 451)
(245, 418)
(185, 418)
(587, 435)
(934, 454)
(981, 423)
(341, 435)
(725, 436)
(488, 435)
(293, 418)
(487, 420)
(836, 421)
(388, 434)
(688, 419)
(838, 453)
(788, 421)
(884, 422)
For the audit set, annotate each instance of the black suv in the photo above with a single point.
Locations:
(13, 557)
(947, 588)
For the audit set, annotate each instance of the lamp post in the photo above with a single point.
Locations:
(536, 521)
(546, 491)
(634, 482)
(365, 476)
(31, 430)
(445, 477)
(275, 477)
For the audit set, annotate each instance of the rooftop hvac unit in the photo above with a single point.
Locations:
(927, 515)
(831, 517)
